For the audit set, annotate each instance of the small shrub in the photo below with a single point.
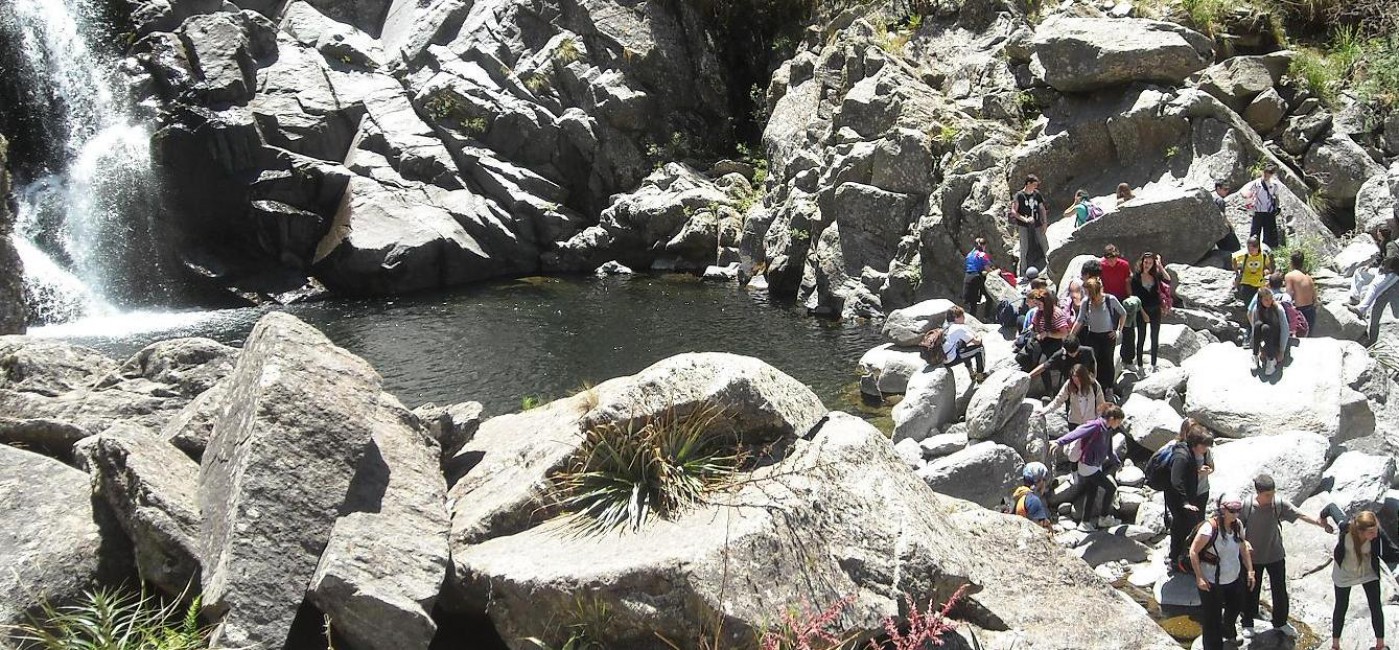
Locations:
(1316, 73)
(628, 472)
(1172, 151)
(804, 629)
(474, 126)
(1205, 14)
(585, 629)
(115, 619)
(1313, 253)
(568, 51)
(530, 402)
(536, 82)
(915, 22)
(800, 235)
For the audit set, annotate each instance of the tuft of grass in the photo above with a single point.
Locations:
(1172, 151)
(531, 402)
(1317, 73)
(536, 82)
(628, 472)
(1205, 15)
(1313, 253)
(568, 51)
(586, 628)
(115, 619)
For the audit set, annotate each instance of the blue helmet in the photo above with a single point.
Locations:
(1034, 472)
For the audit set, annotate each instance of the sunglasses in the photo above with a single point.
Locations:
(1234, 507)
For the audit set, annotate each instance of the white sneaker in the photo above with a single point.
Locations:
(1287, 629)
(1269, 367)
(1086, 527)
(1247, 633)
(1107, 521)
(1155, 369)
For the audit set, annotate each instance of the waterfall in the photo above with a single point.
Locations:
(83, 223)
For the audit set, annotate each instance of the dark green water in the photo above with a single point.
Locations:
(543, 337)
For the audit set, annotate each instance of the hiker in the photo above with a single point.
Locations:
(1229, 243)
(1262, 194)
(1029, 496)
(961, 346)
(1389, 274)
(974, 284)
(1147, 283)
(1071, 354)
(1124, 193)
(1360, 546)
(1190, 486)
(1388, 247)
(1302, 288)
(1132, 307)
(1223, 568)
(1251, 270)
(1082, 395)
(1032, 218)
(1116, 273)
(1263, 516)
(1082, 209)
(1095, 452)
(1270, 331)
(1099, 324)
(1051, 325)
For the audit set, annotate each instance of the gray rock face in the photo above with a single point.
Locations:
(1293, 458)
(982, 473)
(906, 326)
(1179, 343)
(1178, 223)
(49, 368)
(502, 477)
(1312, 393)
(1151, 422)
(1342, 167)
(995, 401)
(1238, 80)
(189, 366)
(387, 556)
(1266, 111)
(1082, 54)
(294, 400)
(943, 543)
(13, 312)
(892, 367)
(451, 426)
(1358, 481)
(1375, 203)
(153, 490)
(55, 541)
(929, 405)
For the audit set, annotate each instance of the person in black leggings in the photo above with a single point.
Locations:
(1146, 286)
(1360, 547)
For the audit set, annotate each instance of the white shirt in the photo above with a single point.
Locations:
(1263, 200)
(954, 334)
(1230, 553)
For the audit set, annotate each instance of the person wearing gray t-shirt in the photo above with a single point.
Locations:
(1263, 516)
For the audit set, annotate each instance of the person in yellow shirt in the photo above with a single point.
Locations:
(1252, 267)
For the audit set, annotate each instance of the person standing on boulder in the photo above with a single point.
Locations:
(1360, 547)
(1095, 443)
(1146, 287)
(1262, 194)
(1223, 572)
(1116, 273)
(1302, 289)
(1263, 516)
(1032, 218)
(974, 284)
(1251, 270)
(1102, 317)
(1124, 193)
(1270, 331)
(1190, 487)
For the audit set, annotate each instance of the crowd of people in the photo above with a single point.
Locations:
(1072, 340)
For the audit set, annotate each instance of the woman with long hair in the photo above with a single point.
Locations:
(1147, 280)
(1083, 396)
(1051, 326)
(1223, 568)
(1099, 325)
(1360, 546)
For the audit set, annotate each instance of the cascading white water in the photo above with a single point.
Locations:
(82, 222)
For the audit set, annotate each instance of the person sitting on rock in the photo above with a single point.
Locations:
(1223, 567)
(1360, 547)
(1275, 285)
(1124, 193)
(1251, 269)
(1388, 275)
(1095, 448)
(962, 346)
(1263, 516)
(1388, 247)
(1082, 395)
(1029, 496)
(1081, 208)
(1270, 331)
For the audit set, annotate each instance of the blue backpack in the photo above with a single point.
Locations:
(1158, 469)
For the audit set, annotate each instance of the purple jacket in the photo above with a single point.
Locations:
(1098, 446)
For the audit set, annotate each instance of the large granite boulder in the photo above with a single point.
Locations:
(892, 367)
(297, 422)
(1151, 422)
(906, 326)
(153, 489)
(49, 368)
(820, 532)
(1178, 223)
(1341, 167)
(995, 401)
(928, 407)
(1311, 392)
(983, 473)
(55, 540)
(1083, 54)
(1358, 481)
(1238, 80)
(1295, 460)
(384, 564)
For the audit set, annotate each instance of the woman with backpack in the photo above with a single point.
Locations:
(1094, 451)
(1082, 394)
(1360, 546)
(1190, 466)
(1223, 567)
(1147, 282)
(1102, 316)
(1082, 209)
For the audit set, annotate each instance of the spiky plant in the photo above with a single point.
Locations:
(115, 619)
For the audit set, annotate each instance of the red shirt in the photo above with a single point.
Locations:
(1117, 274)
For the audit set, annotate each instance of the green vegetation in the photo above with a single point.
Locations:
(1205, 14)
(944, 134)
(801, 235)
(627, 472)
(1172, 151)
(1313, 253)
(530, 402)
(586, 629)
(567, 52)
(115, 619)
(536, 82)
(444, 105)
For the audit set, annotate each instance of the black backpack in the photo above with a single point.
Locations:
(1158, 468)
(1006, 313)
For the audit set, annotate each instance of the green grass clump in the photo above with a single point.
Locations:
(1205, 15)
(626, 473)
(115, 619)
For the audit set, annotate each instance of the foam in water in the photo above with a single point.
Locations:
(86, 222)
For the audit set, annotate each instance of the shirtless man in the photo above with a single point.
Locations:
(1302, 289)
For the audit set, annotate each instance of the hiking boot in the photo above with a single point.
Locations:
(1270, 367)
(1287, 629)
(1086, 527)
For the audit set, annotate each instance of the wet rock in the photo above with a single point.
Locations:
(294, 400)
